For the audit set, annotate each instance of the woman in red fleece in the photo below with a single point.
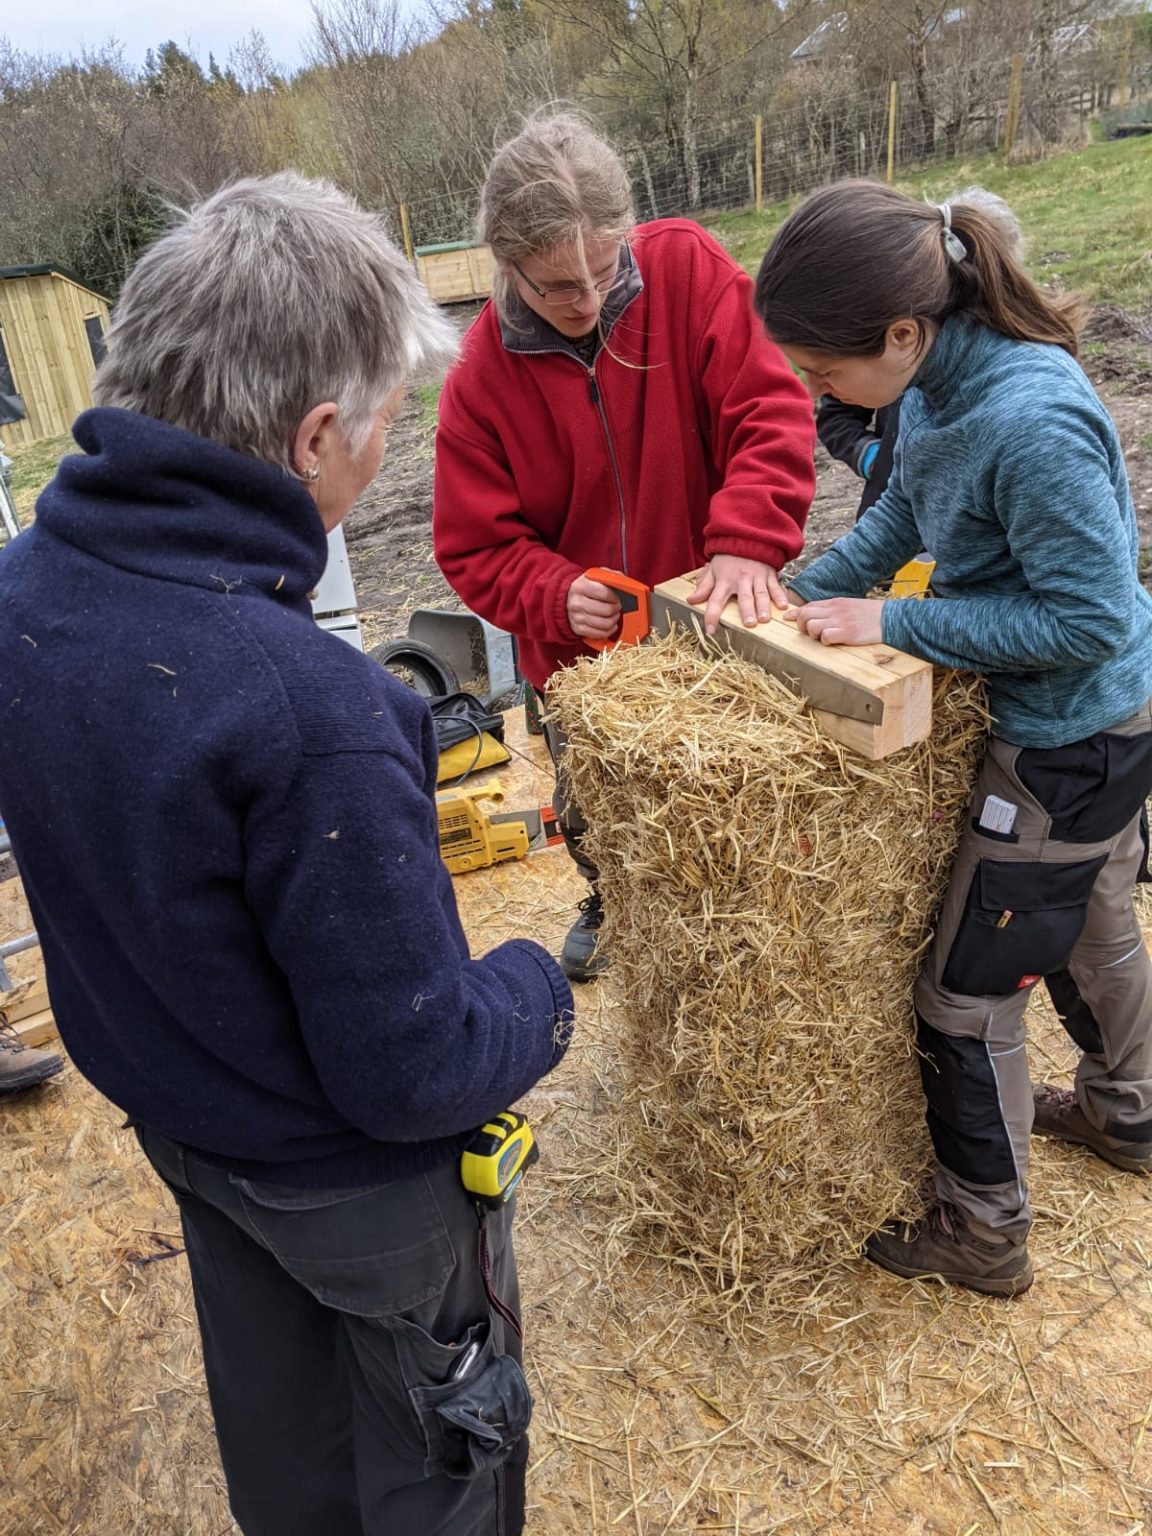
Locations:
(617, 404)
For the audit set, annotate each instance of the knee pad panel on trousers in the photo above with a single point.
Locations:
(965, 1119)
(1074, 1013)
(1021, 921)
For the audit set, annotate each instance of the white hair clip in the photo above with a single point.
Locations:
(953, 244)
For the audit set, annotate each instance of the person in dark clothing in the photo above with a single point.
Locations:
(863, 439)
(251, 941)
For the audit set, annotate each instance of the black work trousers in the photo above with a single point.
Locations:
(338, 1328)
(569, 816)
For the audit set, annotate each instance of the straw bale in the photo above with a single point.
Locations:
(768, 898)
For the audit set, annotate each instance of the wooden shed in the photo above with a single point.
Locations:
(455, 272)
(51, 338)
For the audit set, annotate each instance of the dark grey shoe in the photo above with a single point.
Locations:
(22, 1066)
(580, 959)
(942, 1247)
(1059, 1116)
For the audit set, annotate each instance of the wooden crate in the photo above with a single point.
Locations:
(455, 272)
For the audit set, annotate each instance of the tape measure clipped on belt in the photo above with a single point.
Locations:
(497, 1158)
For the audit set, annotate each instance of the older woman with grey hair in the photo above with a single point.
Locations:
(226, 826)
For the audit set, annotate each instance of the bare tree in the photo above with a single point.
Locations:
(663, 56)
(363, 51)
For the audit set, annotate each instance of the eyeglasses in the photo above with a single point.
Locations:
(572, 293)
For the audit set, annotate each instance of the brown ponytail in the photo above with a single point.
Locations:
(858, 256)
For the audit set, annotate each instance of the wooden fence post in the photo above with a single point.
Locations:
(406, 230)
(1012, 116)
(893, 101)
(759, 163)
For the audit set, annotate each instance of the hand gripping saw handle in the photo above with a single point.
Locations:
(635, 613)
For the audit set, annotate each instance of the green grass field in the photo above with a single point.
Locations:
(1087, 215)
(32, 468)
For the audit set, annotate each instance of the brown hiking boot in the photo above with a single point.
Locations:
(1059, 1116)
(22, 1066)
(941, 1246)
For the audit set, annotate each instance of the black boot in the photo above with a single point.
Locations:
(580, 959)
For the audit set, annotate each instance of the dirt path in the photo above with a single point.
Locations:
(389, 533)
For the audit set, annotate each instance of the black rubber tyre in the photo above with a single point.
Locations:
(417, 665)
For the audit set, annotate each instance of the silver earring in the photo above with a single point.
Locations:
(312, 472)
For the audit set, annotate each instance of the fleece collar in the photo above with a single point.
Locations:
(523, 330)
(159, 501)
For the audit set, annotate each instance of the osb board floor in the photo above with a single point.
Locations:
(900, 1410)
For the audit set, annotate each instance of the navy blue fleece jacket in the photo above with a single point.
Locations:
(1009, 471)
(224, 818)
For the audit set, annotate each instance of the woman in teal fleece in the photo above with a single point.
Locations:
(1009, 470)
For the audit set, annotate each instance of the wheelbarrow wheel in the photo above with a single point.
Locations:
(418, 666)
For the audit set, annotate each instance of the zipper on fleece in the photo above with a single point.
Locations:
(597, 401)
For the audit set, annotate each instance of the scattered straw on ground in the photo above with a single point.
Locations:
(887, 1408)
(768, 899)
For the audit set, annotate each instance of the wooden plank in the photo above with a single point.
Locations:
(17, 434)
(37, 1028)
(20, 341)
(23, 1001)
(481, 264)
(77, 367)
(882, 697)
(43, 398)
(54, 339)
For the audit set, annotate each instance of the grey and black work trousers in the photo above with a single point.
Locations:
(569, 817)
(332, 1323)
(1049, 898)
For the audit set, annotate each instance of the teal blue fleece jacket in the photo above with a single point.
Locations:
(1009, 472)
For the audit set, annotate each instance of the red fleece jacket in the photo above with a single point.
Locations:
(689, 437)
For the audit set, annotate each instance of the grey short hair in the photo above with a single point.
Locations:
(272, 296)
(556, 183)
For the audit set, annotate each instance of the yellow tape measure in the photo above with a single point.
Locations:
(497, 1158)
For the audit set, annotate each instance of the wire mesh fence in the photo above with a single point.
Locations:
(821, 136)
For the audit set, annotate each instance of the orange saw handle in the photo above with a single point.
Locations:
(633, 599)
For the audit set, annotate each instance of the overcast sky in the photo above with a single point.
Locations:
(201, 26)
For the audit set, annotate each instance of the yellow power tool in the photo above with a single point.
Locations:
(472, 838)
